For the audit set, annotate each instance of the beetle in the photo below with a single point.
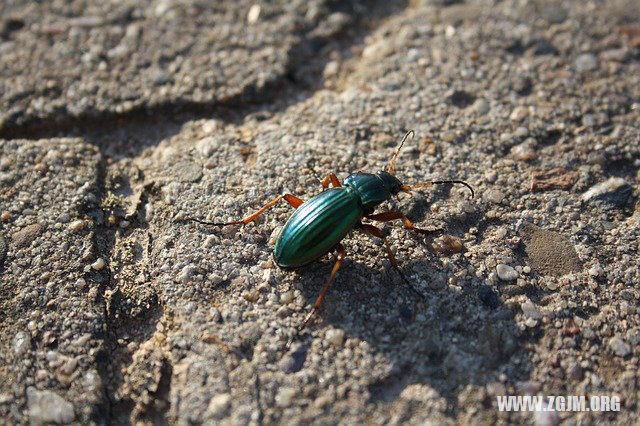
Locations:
(318, 225)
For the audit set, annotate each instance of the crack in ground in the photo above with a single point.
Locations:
(302, 75)
(122, 399)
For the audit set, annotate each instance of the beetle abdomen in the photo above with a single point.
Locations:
(317, 226)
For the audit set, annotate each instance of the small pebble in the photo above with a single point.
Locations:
(596, 270)
(494, 196)
(448, 136)
(524, 152)
(335, 337)
(48, 407)
(294, 360)
(21, 343)
(187, 273)
(82, 340)
(615, 191)
(70, 366)
(586, 62)
(210, 126)
(530, 322)
(285, 396)
(76, 226)
(254, 14)
(506, 272)
(286, 297)
(219, 405)
(99, 264)
(519, 113)
(618, 55)
(209, 145)
(480, 106)
(446, 244)
(25, 236)
(331, 69)
(619, 347)
(530, 311)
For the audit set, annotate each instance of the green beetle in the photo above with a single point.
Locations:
(318, 225)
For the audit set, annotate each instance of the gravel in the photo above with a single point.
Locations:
(122, 121)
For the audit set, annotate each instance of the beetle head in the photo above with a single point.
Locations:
(391, 182)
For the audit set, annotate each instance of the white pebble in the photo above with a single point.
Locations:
(254, 14)
(48, 407)
(98, 264)
(210, 126)
(619, 347)
(76, 226)
(286, 297)
(187, 272)
(523, 152)
(595, 270)
(494, 196)
(148, 212)
(21, 343)
(219, 405)
(529, 309)
(519, 113)
(506, 272)
(285, 397)
(335, 337)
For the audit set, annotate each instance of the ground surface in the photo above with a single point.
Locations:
(119, 120)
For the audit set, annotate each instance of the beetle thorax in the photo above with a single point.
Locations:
(373, 189)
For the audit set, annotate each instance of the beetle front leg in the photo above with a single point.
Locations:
(377, 232)
(291, 199)
(389, 216)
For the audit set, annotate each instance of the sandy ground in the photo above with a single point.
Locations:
(119, 121)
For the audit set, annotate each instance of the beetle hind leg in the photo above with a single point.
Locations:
(291, 199)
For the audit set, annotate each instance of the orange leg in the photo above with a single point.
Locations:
(330, 179)
(293, 200)
(377, 232)
(341, 255)
(389, 216)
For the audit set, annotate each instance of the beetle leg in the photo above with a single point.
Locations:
(342, 253)
(330, 179)
(389, 216)
(377, 232)
(291, 199)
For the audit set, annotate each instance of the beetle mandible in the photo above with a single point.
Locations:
(319, 224)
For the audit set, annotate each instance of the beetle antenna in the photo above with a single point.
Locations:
(406, 188)
(410, 132)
